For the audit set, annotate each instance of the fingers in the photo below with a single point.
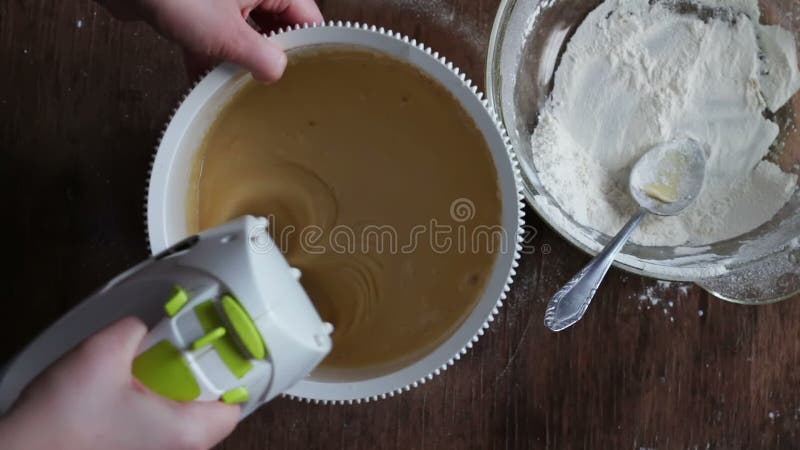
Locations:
(263, 58)
(246, 47)
(229, 36)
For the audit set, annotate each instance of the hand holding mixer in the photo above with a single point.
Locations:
(228, 321)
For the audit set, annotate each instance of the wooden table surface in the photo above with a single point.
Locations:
(83, 99)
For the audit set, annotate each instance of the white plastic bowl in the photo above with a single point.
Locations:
(169, 182)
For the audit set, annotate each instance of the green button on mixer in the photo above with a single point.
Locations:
(208, 338)
(235, 395)
(226, 347)
(163, 369)
(176, 301)
(244, 327)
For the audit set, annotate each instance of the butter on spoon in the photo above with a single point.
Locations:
(665, 181)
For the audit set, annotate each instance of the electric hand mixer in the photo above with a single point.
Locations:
(228, 321)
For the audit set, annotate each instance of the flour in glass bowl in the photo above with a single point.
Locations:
(637, 74)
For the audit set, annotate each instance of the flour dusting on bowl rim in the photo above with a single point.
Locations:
(174, 135)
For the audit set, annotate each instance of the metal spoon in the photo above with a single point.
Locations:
(665, 181)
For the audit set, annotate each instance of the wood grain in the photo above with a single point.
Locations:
(82, 101)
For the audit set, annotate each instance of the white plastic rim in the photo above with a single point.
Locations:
(171, 171)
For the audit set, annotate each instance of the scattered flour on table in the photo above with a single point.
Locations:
(637, 74)
(442, 13)
(790, 412)
(664, 296)
(661, 292)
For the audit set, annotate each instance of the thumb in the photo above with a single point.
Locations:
(263, 58)
(208, 421)
(114, 347)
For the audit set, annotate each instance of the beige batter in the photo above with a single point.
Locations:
(346, 141)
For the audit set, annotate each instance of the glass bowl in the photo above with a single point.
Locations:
(760, 266)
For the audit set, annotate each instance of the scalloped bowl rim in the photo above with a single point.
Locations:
(169, 177)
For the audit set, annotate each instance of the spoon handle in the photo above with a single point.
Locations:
(570, 303)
